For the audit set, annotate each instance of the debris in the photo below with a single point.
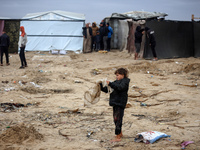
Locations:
(143, 104)
(77, 81)
(63, 134)
(5, 82)
(184, 144)
(89, 133)
(70, 111)
(150, 137)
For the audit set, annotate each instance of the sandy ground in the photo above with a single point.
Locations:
(52, 88)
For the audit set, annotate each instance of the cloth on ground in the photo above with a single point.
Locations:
(92, 96)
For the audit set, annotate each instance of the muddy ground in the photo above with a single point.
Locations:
(42, 106)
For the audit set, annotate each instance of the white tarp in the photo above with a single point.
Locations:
(45, 35)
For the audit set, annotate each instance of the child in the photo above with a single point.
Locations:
(97, 41)
(118, 99)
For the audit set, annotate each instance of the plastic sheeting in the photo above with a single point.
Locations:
(196, 27)
(173, 39)
(48, 35)
(55, 15)
(138, 15)
(123, 34)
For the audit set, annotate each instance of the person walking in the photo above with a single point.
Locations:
(22, 44)
(110, 32)
(4, 45)
(152, 41)
(87, 35)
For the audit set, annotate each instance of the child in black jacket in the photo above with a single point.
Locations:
(118, 99)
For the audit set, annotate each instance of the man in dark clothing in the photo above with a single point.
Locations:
(104, 35)
(152, 41)
(4, 44)
(138, 40)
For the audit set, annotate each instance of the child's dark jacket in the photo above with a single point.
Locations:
(119, 96)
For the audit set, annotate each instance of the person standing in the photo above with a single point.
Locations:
(118, 99)
(97, 41)
(87, 35)
(22, 44)
(138, 39)
(101, 31)
(94, 32)
(4, 45)
(110, 32)
(152, 41)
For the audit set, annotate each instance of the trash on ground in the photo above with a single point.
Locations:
(150, 137)
(90, 133)
(184, 144)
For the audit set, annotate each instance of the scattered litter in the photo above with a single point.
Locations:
(9, 89)
(77, 81)
(5, 82)
(150, 137)
(143, 104)
(10, 106)
(184, 144)
(90, 133)
(40, 71)
(36, 85)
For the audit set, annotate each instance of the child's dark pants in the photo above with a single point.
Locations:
(118, 113)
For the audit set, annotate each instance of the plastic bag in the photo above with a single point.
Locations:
(150, 137)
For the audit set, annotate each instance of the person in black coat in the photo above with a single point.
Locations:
(4, 45)
(118, 99)
(138, 39)
(152, 41)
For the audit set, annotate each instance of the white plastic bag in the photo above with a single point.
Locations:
(150, 137)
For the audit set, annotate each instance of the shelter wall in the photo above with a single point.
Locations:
(173, 39)
(196, 39)
(49, 35)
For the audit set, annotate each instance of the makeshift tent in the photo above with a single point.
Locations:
(124, 23)
(52, 30)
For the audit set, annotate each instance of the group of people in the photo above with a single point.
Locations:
(5, 43)
(97, 38)
(150, 37)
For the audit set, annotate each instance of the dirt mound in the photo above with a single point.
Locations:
(20, 133)
(192, 68)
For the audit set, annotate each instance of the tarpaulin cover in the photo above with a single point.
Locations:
(173, 39)
(196, 39)
(138, 15)
(47, 35)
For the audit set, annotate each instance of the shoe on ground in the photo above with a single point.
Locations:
(8, 64)
(22, 67)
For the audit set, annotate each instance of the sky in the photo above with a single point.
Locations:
(96, 10)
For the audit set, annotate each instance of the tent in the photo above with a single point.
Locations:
(52, 30)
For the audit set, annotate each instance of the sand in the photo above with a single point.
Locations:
(164, 96)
